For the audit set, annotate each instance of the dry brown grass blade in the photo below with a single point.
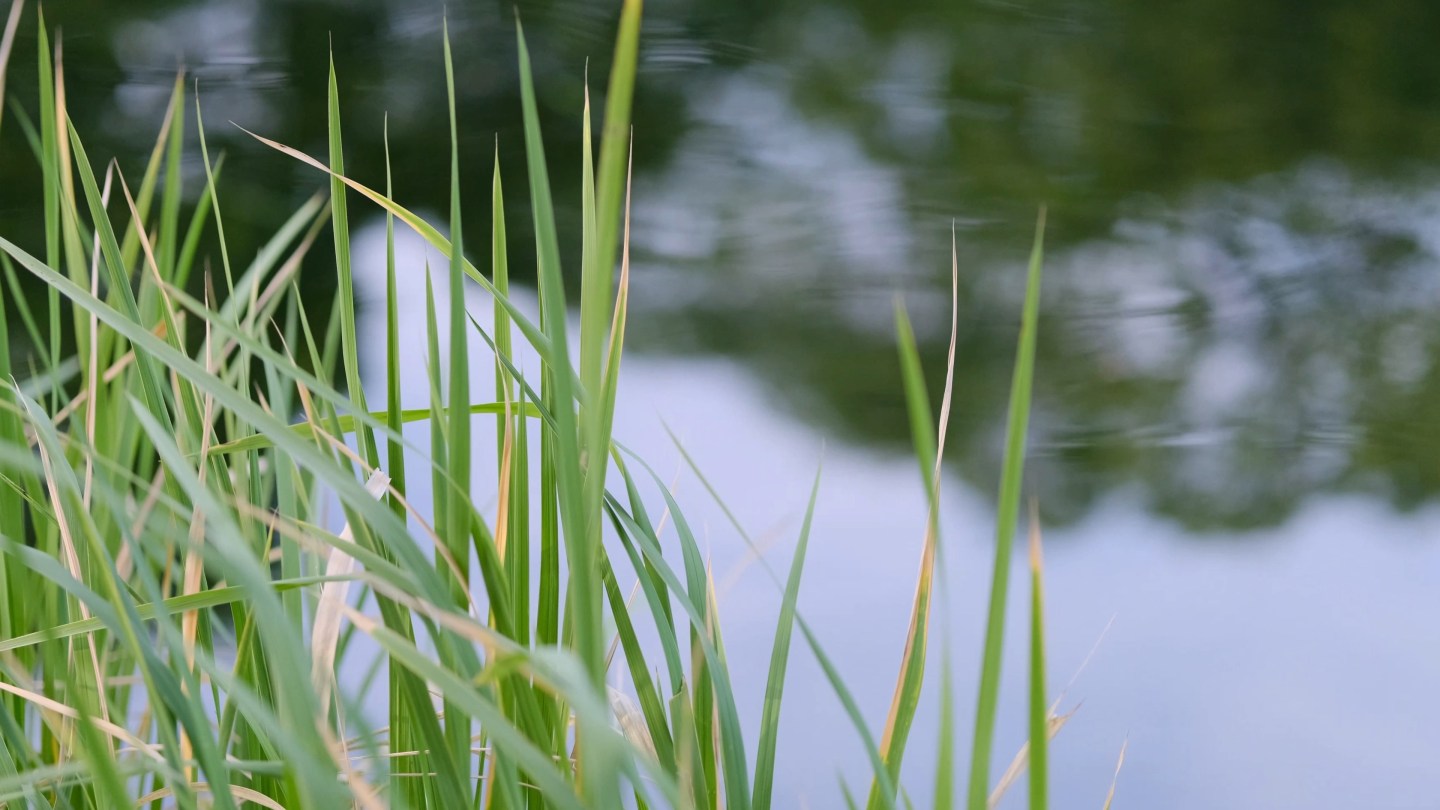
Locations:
(115, 370)
(632, 722)
(1022, 759)
(615, 638)
(1119, 763)
(917, 636)
(507, 472)
(144, 239)
(242, 793)
(194, 566)
(72, 560)
(318, 432)
(622, 293)
(281, 280)
(7, 43)
(54, 706)
(93, 361)
(325, 636)
(362, 793)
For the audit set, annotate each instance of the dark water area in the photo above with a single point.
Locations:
(1236, 438)
(1240, 196)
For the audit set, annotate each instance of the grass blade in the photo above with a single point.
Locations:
(779, 657)
(346, 294)
(584, 606)
(931, 453)
(945, 745)
(1039, 711)
(1011, 477)
(7, 43)
(395, 452)
(458, 514)
(1115, 780)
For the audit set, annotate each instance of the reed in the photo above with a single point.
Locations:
(176, 605)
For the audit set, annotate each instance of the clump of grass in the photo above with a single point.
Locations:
(174, 610)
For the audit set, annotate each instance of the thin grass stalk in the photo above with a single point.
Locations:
(402, 736)
(49, 172)
(608, 196)
(7, 44)
(584, 608)
(612, 173)
(1039, 710)
(458, 515)
(1008, 514)
(1115, 780)
(166, 248)
(12, 504)
(779, 658)
(345, 277)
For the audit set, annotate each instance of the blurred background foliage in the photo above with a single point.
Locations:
(1243, 256)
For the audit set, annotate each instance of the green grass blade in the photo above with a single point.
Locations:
(27, 316)
(651, 706)
(50, 173)
(340, 219)
(346, 425)
(581, 533)
(421, 574)
(458, 515)
(601, 414)
(656, 595)
(513, 458)
(779, 658)
(694, 596)
(459, 691)
(912, 664)
(212, 195)
(171, 196)
(595, 281)
(929, 450)
(615, 141)
(146, 611)
(145, 194)
(852, 711)
(185, 261)
(395, 452)
(601, 217)
(284, 646)
(1011, 477)
(537, 338)
(944, 794)
(832, 674)
(89, 558)
(150, 376)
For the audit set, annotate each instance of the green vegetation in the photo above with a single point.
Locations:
(175, 610)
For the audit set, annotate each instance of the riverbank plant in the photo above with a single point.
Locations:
(203, 518)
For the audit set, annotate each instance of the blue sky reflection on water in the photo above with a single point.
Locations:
(1287, 667)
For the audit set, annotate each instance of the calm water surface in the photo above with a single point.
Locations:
(1281, 667)
(1235, 442)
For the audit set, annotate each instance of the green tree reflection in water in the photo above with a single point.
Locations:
(1243, 260)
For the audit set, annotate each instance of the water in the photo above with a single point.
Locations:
(1233, 443)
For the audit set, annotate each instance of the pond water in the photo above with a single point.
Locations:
(1278, 667)
(1234, 447)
